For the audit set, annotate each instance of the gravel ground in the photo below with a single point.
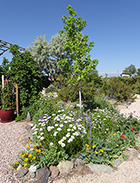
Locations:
(12, 136)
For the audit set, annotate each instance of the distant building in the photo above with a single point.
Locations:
(125, 75)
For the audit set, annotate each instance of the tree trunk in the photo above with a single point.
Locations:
(80, 102)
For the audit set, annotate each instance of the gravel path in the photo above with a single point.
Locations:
(13, 141)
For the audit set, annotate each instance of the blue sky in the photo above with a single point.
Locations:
(113, 25)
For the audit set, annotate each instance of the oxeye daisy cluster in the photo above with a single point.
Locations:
(59, 129)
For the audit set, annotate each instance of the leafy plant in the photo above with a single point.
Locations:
(24, 72)
(7, 96)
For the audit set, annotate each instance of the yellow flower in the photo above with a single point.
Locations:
(96, 152)
(30, 142)
(34, 157)
(25, 164)
(27, 154)
(117, 145)
(93, 146)
(101, 150)
(87, 145)
(30, 160)
(23, 155)
(87, 148)
(27, 146)
(114, 134)
(35, 146)
(39, 150)
(36, 150)
(30, 155)
(20, 154)
(17, 162)
(40, 144)
(26, 159)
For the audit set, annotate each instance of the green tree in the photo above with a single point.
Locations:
(130, 70)
(138, 71)
(77, 48)
(24, 72)
(47, 54)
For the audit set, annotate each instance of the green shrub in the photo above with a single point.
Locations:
(122, 89)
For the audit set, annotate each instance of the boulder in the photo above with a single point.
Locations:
(65, 167)
(96, 168)
(43, 174)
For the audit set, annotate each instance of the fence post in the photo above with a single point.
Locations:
(17, 102)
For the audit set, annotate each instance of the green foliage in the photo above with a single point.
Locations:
(25, 73)
(138, 71)
(7, 96)
(131, 70)
(100, 102)
(52, 156)
(122, 89)
(40, 106)
(77, 47)
(69, 92)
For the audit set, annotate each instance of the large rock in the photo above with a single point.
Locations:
(65, 167)
(132, 153)
(96, 168)
(21, 172)
(43, 174)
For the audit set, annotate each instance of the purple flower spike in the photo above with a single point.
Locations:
(127, 121)
(121, 120)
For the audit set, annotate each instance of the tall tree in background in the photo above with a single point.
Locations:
(47, 54)
(130, 70)
(77, 47)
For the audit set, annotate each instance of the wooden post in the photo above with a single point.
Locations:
(17, 102)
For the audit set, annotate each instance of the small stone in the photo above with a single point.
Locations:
(99, 168)
(19, 167)
(43, 174)
(32, 174)
(65, 167)
(54, 171)
(117, 162)
(32, 169)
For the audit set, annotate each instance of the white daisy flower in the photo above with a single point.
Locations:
(70, 140)
(56, 125)
(41, 129)
(59, 129)
(42, 133)
(60, 142)
(68, 129)
(70, 125)
(63, 145)
(64, 138)
(39, 137)
(61, 125)
(51, 143)
(74, 127)
(42, 138)
(55, 133)
(53, 114)
(68, 134)
(72, 137)
(35, 133)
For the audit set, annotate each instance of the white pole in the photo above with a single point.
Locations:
(2, 81)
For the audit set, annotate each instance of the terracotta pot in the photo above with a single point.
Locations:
(6, 115)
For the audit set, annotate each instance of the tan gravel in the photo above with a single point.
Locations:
(12, 137)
